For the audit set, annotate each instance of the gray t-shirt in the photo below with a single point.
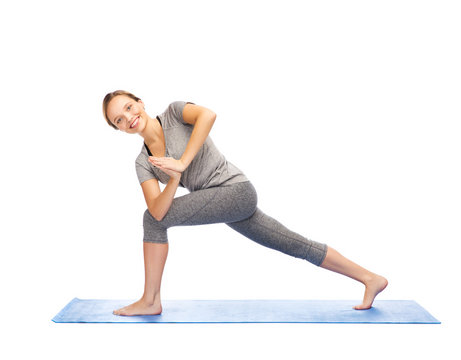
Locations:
(208, 168)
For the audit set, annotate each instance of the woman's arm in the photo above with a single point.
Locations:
(203, 120)
(159, 202)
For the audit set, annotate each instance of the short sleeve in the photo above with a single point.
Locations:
(176, 108)
(143, 171)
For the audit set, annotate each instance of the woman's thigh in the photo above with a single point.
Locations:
(220, 204)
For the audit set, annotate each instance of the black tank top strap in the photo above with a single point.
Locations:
(148, 151)
(145, 145)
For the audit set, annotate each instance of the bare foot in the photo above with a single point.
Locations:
(373, 287)
(140, 307)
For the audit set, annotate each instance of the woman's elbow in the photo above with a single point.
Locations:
(210, 115)
(213, 116)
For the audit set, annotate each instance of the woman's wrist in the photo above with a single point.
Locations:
(176, 179)
(182, 165)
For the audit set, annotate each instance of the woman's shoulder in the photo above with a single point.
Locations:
(173, 113)
(176, 107)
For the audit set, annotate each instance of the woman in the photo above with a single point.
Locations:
(177, 151)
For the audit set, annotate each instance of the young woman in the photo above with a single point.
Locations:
(177, 151)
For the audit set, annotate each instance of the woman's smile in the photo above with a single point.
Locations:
(135, 122)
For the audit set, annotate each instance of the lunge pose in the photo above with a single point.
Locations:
(177, 151)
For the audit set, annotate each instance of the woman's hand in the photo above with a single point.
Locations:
(167, 163)
(174, 174)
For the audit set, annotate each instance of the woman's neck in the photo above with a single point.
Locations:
(152, 132)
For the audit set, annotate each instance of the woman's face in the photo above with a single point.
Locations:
(127, 114)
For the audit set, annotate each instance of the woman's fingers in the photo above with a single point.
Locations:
(168, 163)
(160, 163)
(155, 160)
(158, 159)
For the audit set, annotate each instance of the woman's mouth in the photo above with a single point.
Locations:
(134, 123)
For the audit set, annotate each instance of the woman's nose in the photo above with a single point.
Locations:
(127, 120)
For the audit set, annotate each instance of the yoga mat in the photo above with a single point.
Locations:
(250, 311)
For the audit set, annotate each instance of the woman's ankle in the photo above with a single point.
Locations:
(151, 299)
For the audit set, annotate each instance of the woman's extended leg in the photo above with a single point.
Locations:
(268, 232)
(154, 262)
(374, 283)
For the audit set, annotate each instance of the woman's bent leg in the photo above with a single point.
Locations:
(154, 262)
(209, 206)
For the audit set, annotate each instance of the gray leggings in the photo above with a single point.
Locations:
(234, 205)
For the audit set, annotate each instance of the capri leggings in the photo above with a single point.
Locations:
(236, 206)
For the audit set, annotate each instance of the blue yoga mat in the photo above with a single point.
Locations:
(250, 311)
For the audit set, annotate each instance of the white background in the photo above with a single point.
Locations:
(345, 115)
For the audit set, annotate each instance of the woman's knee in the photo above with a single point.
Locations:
(154, 230)
(151, 220)
(148, 216)
(251, 199)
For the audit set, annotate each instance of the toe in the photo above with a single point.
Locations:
(118, 312)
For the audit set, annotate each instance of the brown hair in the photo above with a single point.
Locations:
(109, 97)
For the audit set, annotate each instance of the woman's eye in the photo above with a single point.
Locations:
(129, 107)
(118, 121)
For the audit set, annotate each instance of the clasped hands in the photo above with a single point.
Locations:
(168, 165)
